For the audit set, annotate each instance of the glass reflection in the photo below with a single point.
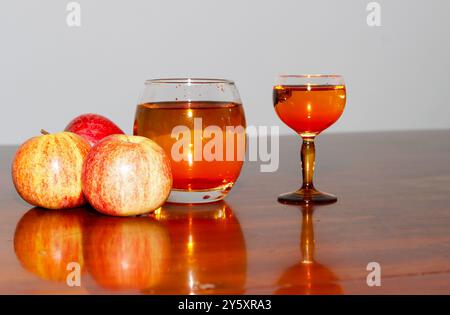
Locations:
(308, 276)
(209, 247)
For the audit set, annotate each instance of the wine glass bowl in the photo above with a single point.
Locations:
(308, 104)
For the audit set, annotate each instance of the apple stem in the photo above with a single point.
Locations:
(45, 132)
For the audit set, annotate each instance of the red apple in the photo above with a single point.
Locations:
(45, 242)
(126, 253)
(93, 127)
(126, 175)
(46, 170)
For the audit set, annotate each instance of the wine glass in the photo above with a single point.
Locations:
(308, 104)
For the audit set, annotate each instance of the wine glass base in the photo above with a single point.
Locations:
(305, 196)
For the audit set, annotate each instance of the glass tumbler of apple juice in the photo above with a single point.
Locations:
(200, 124)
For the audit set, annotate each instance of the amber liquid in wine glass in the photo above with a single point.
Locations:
(309, 104)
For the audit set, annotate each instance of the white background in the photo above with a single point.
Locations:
(397, 75)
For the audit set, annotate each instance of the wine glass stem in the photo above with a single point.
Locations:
(308, 155)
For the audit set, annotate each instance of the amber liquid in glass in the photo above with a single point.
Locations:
(309, 109)
(157, 120)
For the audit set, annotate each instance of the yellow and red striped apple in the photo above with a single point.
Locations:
(126, 175)
(46, 170)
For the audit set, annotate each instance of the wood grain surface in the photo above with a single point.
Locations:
(393, 208)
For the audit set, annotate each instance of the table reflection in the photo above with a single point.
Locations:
(308, 276)
(181, 249)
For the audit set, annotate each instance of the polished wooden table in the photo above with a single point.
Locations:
(393, 209)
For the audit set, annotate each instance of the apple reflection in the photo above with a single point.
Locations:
(208, 253)
(46, 241)
(126, 254)
(308, 276)
(181, 249)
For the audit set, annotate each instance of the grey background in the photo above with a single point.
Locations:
(397, 75)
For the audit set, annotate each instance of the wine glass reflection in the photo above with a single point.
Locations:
(308, 276)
